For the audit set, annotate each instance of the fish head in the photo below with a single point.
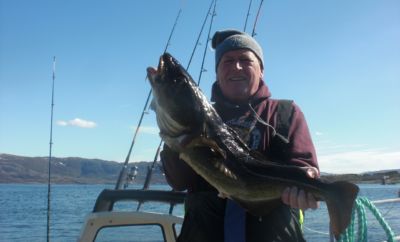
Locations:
(177, 108)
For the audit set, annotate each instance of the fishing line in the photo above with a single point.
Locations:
(315, 231)
(206, 46)
(50, 149)
(274, 132)
(388, 210)
(256, 20)
(301, 225)
(123, 173)
(247, 16)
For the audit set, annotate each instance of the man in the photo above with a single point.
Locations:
(243, 101)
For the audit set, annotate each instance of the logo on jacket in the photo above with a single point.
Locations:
(246, 128)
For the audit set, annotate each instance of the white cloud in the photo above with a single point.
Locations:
(82, 123)
(357, 161)
(329, 148)
(152, 130)
(62, 123)
(348, 156)
(78, 123)
(317, 133)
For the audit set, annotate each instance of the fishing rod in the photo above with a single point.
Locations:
(206, 47)
(172, 30)
(151, 169)
(50, 149)
(149, 173)
(123, 172)
(198, 37)
(247, 16)
(256, 20)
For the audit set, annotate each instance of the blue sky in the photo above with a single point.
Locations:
(339, 60)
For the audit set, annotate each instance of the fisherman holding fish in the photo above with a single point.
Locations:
(275, 128)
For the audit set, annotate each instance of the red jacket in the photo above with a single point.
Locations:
(299, 151)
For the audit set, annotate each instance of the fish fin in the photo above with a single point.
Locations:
(203, 141)
(340, 204)
(153, 104)
(263, 166)
(259, 208)
(177, 143)
(222, 195)
(258, 155)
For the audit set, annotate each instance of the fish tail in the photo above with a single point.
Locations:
(340, 202)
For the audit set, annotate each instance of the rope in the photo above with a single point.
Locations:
(360, 206)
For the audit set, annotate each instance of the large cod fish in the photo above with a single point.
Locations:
(190, 125)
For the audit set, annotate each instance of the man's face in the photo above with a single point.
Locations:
(239, 73)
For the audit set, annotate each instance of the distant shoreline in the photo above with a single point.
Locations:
(76, 170)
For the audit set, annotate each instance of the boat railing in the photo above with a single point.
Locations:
(103, 215)
(106, 199)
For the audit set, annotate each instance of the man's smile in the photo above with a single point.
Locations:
(238, 78)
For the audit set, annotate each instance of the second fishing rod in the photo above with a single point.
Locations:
(122, 179)
(152, 167)
(124, 171)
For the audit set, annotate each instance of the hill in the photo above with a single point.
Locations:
(21, 169)
(381, 177)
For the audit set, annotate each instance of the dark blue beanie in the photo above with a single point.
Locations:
(230, 39)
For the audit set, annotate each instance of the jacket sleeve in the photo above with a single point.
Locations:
(177, 173)
(301, 149)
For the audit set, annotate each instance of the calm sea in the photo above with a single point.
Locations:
(23, 212)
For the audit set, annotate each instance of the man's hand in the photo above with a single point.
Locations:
(297, 198)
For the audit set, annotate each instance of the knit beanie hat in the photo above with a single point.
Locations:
(230, 39)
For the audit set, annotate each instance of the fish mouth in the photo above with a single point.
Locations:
(171, 94)
(167, 64)
(161, 65)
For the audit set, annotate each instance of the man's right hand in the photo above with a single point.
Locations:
(298, 198)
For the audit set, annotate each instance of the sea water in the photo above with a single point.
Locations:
(23, 212)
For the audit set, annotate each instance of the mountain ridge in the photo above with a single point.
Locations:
(23, 169)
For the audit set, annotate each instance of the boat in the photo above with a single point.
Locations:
(165, 226)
